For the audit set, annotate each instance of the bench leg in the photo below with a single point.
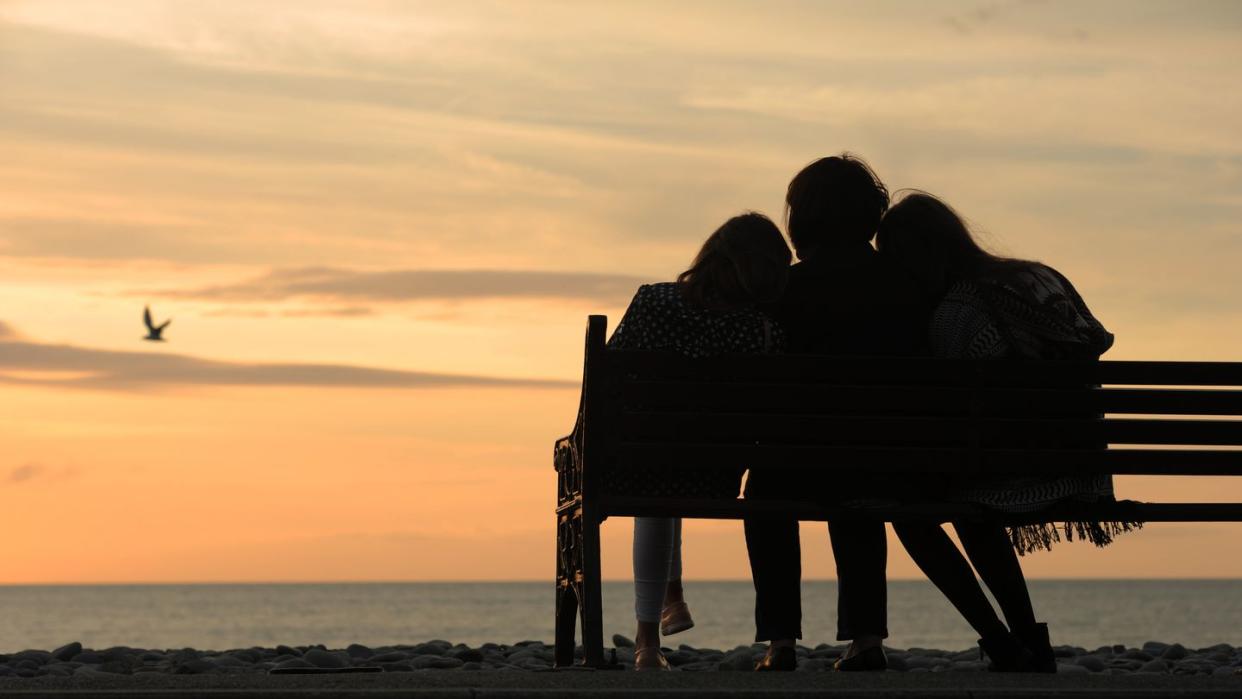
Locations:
(592, 597)
(568, 548)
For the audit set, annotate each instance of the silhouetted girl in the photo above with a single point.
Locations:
(993, 308)
(709, 310)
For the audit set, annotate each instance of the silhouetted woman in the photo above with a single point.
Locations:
(709, 310)
(995, 308)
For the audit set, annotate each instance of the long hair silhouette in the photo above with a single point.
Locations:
(934, 243)
(745, 261)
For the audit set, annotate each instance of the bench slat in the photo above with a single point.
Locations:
(815, 399)
(1133, 373)
(1157, 401)
(790, 369)
(741, 428)
(1122, 511)
(1185, 462)
(1174, 432)
(786, 398)
(920, 370)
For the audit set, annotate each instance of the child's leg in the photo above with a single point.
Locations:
(653, 555)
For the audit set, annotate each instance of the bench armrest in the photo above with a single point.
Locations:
(566, 459)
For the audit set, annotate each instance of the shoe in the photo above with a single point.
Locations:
(1035, 638)
(652, 658)
(869, 660)
(675, 618)
(780, 659)
(1007, 654)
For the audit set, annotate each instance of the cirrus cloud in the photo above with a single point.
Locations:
(35, 363)
(339, 284)
(25, 472)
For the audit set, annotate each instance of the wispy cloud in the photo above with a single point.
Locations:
(26, 472)
(330, 283)
(968, 20)
(81, 367)
(33, 471)
(342, 312)
(312, 312)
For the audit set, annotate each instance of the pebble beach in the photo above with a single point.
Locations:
(1154, 657)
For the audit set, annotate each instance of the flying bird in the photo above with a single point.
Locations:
(155, 333)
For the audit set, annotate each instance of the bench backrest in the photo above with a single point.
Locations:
(907, 414)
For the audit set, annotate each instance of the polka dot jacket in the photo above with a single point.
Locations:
(660, 319)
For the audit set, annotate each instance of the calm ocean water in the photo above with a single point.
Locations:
(1086, 613)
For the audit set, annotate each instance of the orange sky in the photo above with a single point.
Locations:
(379, 227)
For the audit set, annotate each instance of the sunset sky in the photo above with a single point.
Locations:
(378, 227)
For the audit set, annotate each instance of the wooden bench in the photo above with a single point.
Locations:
(885, 415)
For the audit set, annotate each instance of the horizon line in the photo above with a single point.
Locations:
(223, 583)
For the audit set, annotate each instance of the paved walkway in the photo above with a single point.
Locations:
(602, 685)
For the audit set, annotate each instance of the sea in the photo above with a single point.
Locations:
(1087, 613)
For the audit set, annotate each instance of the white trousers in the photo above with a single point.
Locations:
(657, 559)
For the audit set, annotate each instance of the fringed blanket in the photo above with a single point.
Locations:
(1028, 311)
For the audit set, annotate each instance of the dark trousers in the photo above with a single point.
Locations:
(775, 551)
(991, 553)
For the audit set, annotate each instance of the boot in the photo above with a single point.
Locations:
(1035, 638)
(870, 660)
(1006, 653)
(778, 659)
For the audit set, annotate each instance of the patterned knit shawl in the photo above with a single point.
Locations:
(1019, 310)
(1027, 311)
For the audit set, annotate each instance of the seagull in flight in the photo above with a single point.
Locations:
(155, 333)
